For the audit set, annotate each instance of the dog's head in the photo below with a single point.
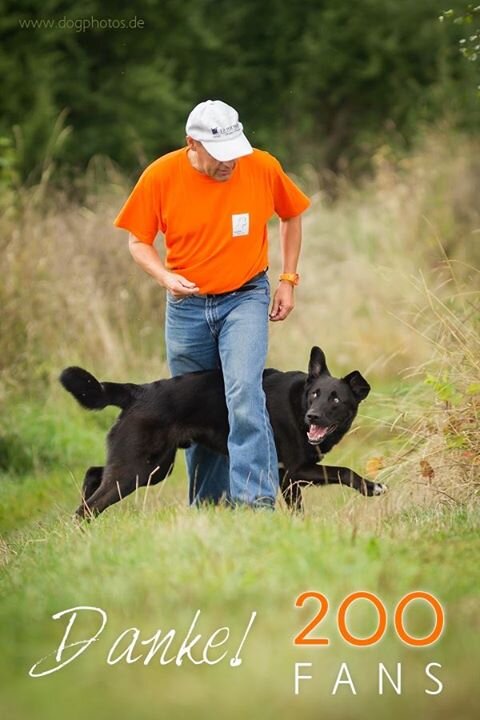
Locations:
(330, 403)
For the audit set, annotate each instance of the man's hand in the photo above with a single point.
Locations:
(148, 259)
(178, 285)
(283, 302)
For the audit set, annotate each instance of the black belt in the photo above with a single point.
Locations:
(249, 285)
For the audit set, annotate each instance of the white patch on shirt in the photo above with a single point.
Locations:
(240, 224)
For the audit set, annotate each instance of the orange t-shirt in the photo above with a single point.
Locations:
(215, 232)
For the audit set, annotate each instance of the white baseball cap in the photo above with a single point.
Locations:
(216, 125)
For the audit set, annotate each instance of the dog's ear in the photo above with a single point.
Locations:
(317, 365)
(358, 385)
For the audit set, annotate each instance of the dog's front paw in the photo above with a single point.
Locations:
(379, 489)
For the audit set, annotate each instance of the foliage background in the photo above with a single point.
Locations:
(325, 83)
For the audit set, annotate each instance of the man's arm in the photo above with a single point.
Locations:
(290, 244)
(149, 260)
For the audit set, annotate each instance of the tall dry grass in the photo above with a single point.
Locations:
(70, 291)
(368, 259)
(438, 421)
(423, 440)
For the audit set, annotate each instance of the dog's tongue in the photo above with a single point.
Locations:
(315, 432)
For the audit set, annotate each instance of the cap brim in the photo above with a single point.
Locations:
(226, 150)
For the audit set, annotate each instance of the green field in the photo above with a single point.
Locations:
(153, 569)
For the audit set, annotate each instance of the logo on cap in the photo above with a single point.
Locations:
(229, 130)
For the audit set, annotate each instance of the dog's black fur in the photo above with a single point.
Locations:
(309, 415)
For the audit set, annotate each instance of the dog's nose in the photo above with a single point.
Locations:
(312, 418)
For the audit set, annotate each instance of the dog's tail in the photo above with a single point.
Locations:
(94, 395)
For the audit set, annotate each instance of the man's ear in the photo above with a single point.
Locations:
(317, 365)
(358, 385)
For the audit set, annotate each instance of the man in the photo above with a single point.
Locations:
(212, 201)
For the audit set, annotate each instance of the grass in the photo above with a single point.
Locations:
(153, 568)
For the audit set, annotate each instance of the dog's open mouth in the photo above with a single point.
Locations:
(316, 433)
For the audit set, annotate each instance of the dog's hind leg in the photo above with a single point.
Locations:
(118, 481)
(113, 487)
(91, 481)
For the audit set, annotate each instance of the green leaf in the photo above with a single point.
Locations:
(473, 389)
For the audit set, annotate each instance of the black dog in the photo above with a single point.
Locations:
(309, 415)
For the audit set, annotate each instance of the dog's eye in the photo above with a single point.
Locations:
(336, 400)
(316, 393)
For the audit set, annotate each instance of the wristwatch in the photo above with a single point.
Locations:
(292, 278)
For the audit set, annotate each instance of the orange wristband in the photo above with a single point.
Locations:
(292, 278)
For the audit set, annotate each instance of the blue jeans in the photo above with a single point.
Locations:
(230, 332)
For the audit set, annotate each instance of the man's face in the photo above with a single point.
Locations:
(206, 164)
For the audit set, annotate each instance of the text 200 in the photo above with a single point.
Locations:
(304, 637)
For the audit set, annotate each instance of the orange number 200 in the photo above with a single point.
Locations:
(303, 639)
